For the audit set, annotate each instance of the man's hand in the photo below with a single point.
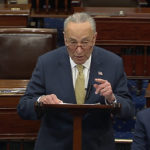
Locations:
(50, 99)
(104, 89)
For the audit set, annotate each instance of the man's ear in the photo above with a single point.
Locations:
(64, 37)
(95, 36)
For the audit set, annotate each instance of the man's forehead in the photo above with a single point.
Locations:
(83, 38)
(81, 26)
(79, 29)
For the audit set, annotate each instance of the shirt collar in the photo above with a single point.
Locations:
(86, 64)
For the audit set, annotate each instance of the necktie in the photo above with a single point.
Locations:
(80, 86)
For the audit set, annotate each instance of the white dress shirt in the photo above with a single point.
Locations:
(86, 71)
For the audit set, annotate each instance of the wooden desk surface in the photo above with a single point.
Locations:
(13, 83)
(15, 9)
(122, 12)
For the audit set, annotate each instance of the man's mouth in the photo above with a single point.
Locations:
(79, 57)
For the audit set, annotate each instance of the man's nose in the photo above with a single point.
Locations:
(79, 48)
(79, 45)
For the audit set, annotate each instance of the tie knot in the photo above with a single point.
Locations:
(80, 68)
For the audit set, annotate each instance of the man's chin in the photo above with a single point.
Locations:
(79, 61)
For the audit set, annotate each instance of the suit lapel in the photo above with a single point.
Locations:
(66, 81)
(96, 71)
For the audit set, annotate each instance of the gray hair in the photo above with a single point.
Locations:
(80, 18)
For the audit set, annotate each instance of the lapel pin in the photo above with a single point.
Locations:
(100, 73)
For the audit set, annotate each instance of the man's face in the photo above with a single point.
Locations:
(79, 39)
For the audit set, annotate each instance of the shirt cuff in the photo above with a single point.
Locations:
(38, 100)
(114, 102)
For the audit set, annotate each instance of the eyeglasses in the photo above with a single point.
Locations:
(83, 44)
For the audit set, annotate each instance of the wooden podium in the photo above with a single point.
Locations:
(77, 111)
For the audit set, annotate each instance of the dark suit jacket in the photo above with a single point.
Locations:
(141, 140)
(52, 75)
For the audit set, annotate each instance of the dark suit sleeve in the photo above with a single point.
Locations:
(139, 140)
(35, 88)
(121, 92)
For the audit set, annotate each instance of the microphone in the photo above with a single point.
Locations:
(88, 91)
